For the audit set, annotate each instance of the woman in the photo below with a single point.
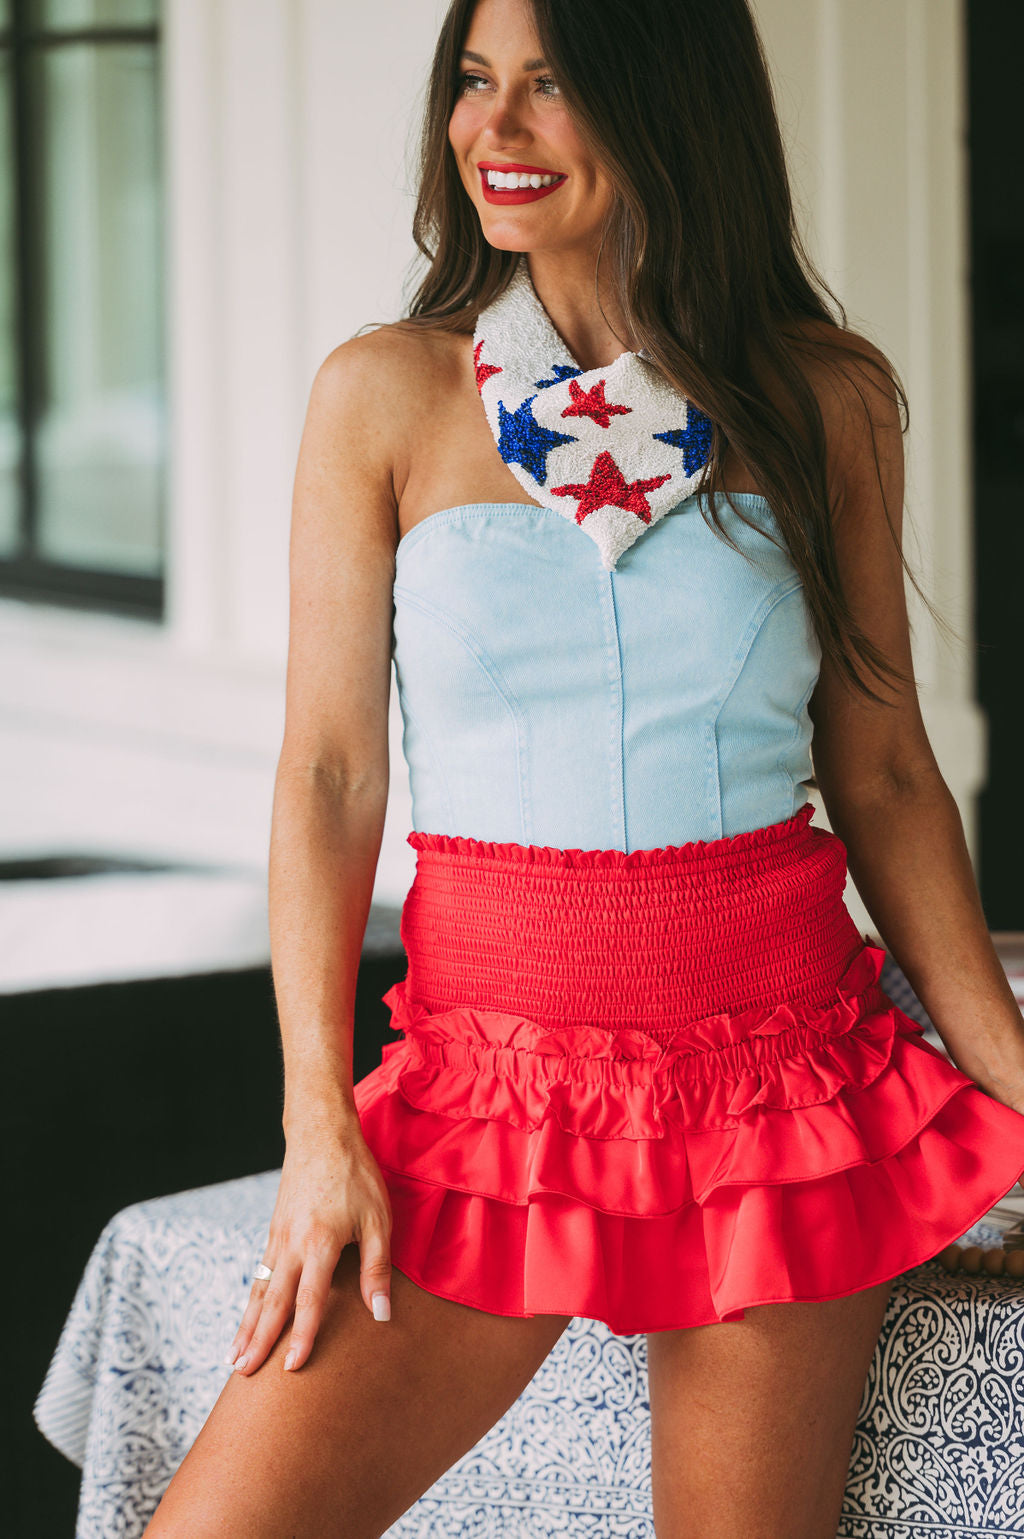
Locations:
(643, 1069)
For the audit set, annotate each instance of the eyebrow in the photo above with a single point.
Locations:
(478, 58)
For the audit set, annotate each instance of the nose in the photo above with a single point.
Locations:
(503, 121)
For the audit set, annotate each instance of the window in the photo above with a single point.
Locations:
(82, 417)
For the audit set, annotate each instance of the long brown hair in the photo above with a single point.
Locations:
(674, 99)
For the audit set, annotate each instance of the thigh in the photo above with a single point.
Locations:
(752, 1420)
(346, 1444)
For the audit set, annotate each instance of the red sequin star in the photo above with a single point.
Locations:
(607, 487)
(483, 370)
(591, 403)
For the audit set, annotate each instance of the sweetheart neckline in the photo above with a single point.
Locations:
(534, 507)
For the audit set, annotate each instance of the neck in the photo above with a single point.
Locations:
(584, 313)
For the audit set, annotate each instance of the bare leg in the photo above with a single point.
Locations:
(752, 1421)
(342, 1447)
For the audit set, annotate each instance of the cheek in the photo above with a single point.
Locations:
(590, 180)
(592, 190)
(601, 190)
(462, 127)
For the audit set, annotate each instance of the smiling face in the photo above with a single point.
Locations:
(509, 116)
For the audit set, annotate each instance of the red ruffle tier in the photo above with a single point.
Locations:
(656, 1179)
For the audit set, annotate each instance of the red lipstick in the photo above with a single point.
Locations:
(516, 194)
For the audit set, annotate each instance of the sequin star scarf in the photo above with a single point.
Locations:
(614, 449)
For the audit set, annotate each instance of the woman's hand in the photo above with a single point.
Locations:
(331, 1193)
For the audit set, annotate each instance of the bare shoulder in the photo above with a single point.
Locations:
(860, 747)
(832, 358)
(844, 366)
(853, 382)
(394, 353)
(391, 363)
(388, 387)
(836, 361)
(341, 564)
(860, 407)
(352, 406)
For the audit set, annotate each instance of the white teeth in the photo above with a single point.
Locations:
(507, 180)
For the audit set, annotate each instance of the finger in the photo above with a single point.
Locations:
(310, 1299)
(375, 1269)
(276, 1307)
(247, 1324)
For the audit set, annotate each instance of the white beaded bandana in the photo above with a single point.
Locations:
(614, 449)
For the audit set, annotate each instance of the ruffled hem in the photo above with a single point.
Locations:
(718, 851)
(654, 1183)
(601, 1082)
(810, 1241)
(650, 1177)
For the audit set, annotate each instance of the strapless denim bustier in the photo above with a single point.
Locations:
(546, 700)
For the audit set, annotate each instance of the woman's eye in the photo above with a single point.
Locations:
(468, 79)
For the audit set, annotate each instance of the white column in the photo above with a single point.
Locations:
(872, 98)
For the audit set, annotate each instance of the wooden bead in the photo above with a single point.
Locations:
(950, 1258)
(971, 1259)
(1015, 1263)
(994, 1260)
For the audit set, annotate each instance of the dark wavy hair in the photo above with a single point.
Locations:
(673, 99)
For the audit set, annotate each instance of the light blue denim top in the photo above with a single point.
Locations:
(546, 700)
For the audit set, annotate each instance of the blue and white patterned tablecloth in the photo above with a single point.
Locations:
(938, 1452)
(939, 1449)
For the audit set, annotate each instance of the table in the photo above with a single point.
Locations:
(938, 1450)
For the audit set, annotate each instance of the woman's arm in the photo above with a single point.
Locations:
(880, 783)
(325, 842)
(328, 815)
(332, 779)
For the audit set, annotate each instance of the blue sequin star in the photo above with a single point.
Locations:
(522, 440)
(563, 371)
(694, 439)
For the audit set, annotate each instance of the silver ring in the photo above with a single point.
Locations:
(262, 1272)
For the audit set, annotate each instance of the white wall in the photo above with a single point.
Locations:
(290, 137)
(872, 94)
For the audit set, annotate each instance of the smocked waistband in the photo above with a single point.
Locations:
(643, 938)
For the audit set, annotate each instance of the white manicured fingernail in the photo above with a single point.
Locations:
(381, 1306)
(241, 1364)
(289, 1361)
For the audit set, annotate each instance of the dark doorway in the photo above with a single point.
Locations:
(995, 52)
(119, 1092)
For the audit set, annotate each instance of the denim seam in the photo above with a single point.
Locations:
(754, 628)
(737, 663)
(784, 768)
(621, 734)
(494, 677)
